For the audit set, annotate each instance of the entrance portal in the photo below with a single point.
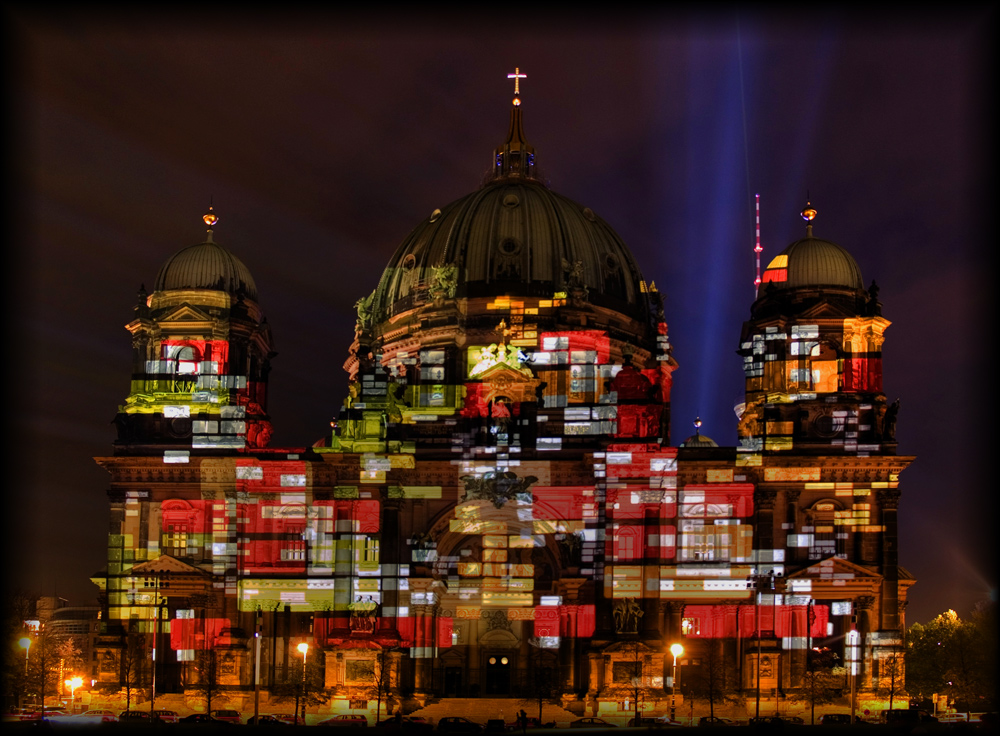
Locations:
(498, 668)
(452, 682)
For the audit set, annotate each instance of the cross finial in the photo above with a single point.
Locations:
(517, 77)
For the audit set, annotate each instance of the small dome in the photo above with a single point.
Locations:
(813, 262)
(699, 440)
(206, 265)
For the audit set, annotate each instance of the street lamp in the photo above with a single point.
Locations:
(304, 648)
(676, 650)
(25, 644)
(73, 683)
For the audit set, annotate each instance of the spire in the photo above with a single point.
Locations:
(515, 158)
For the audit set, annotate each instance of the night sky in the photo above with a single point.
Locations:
(322, 140)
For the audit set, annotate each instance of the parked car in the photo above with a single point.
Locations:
(134, 716)
(265, 719)
(714, 721)
(835, 719)
(647, 721)
(288, 718)
(204, 718)
(777, 721)
(953, 717)
(457, 724)
(590, 723)
(230, 716)
(905, 717)
(99, 716)
(347, 720)
(667, 722)
(166, 716)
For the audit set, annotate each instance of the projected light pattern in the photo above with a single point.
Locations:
(498, 508)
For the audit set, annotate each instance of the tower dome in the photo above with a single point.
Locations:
(207, 265)
(811, 262)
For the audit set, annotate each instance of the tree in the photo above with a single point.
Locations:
(206, 671)
(542, 676)
(713, 680)
(630, 669)
(378, 671)
(823, 680)
(305, 685)
(891, 674)
(955, 658)
(43, 666)
(18, 607)
(134, 666)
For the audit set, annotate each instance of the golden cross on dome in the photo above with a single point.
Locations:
(517, 77)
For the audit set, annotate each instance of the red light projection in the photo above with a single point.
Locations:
(199, 633)
(744, 621)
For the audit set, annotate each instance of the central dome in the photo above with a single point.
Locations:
(514, 236)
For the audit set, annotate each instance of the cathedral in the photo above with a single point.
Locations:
(497, 509)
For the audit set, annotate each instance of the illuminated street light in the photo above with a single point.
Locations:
(304, 648)
(853, 659)
(676, 650)
(73, 683)
(25, 644)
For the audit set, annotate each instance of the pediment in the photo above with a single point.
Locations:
(834, 569)
(504, 372)
(164, 564)
(185, 313)
(630, 647)
(499, 639)
(822, 310)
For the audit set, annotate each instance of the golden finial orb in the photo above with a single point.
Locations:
(808, 212)
(210, 218)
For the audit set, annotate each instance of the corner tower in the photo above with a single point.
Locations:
(201, 350)
(812, 356)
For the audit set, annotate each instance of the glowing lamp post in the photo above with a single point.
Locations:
(853, 659)
(676, 650)
(73, 683)
(304, 648)
(25, 644)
